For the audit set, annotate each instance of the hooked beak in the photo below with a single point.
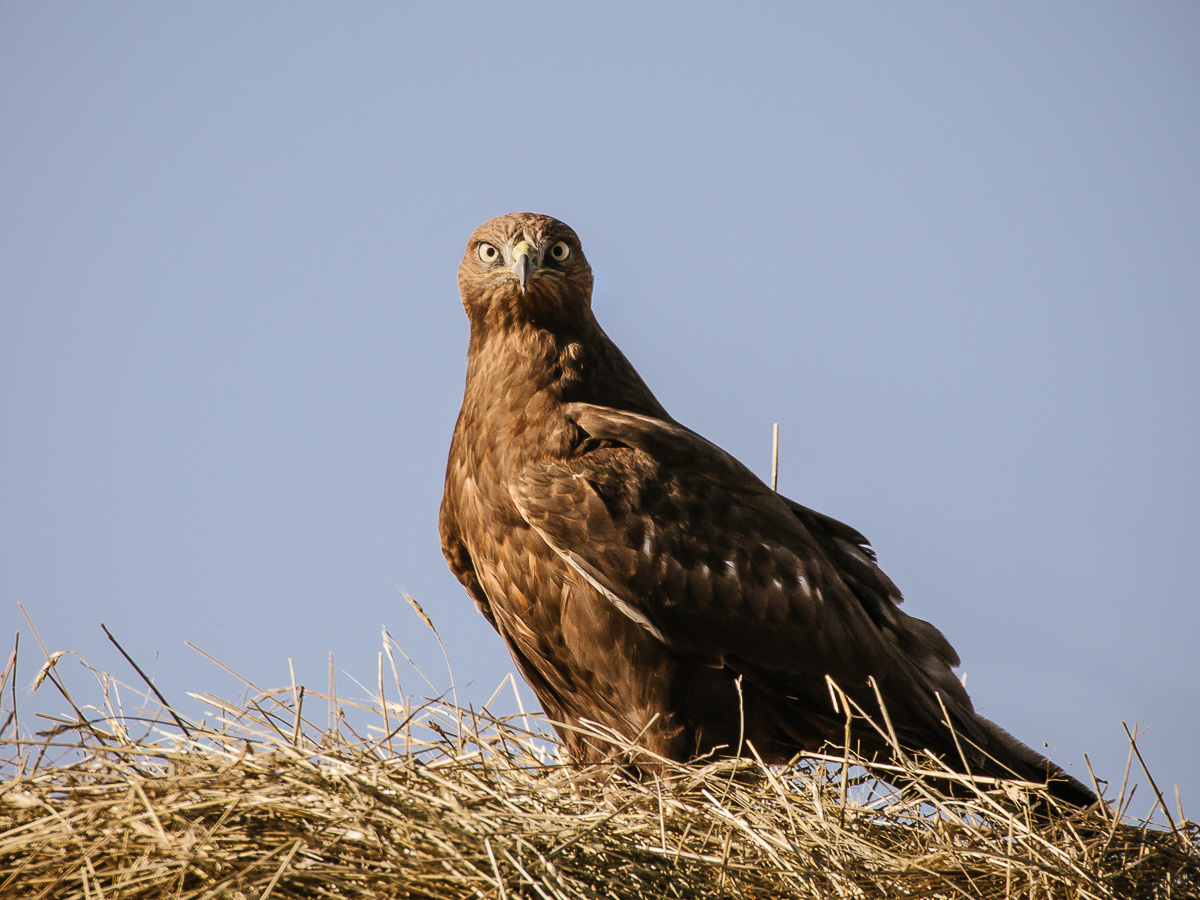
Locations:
(523, 264)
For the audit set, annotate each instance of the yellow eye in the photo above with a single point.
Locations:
(487, 253)
(560, 251)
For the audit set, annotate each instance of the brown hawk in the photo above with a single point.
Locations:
(646, 580)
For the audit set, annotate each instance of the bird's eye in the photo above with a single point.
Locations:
(560, 251)
(487, 253)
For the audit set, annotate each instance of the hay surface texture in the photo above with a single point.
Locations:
(440, 801)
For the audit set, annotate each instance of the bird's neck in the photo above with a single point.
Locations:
(519, 379)
(517, 382)
(522, 361)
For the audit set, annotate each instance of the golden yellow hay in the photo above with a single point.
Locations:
(440, 801)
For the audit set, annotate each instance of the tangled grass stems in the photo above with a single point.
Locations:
(436, 800)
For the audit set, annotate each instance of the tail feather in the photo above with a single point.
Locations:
(1007, 756)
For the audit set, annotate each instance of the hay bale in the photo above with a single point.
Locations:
(439, 801)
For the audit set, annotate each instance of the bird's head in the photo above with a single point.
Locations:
(524, 266)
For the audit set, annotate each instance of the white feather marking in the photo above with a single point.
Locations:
(616, 601)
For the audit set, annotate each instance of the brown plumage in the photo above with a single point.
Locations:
(646, 580)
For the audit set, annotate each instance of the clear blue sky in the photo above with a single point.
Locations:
(954, 249)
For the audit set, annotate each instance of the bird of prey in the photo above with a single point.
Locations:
(644, 579)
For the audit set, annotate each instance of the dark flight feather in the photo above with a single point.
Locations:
(646, 580)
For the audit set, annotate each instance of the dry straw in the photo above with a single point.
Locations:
(436, 800)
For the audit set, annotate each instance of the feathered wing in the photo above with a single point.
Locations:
(688, 543)
(453, 548)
